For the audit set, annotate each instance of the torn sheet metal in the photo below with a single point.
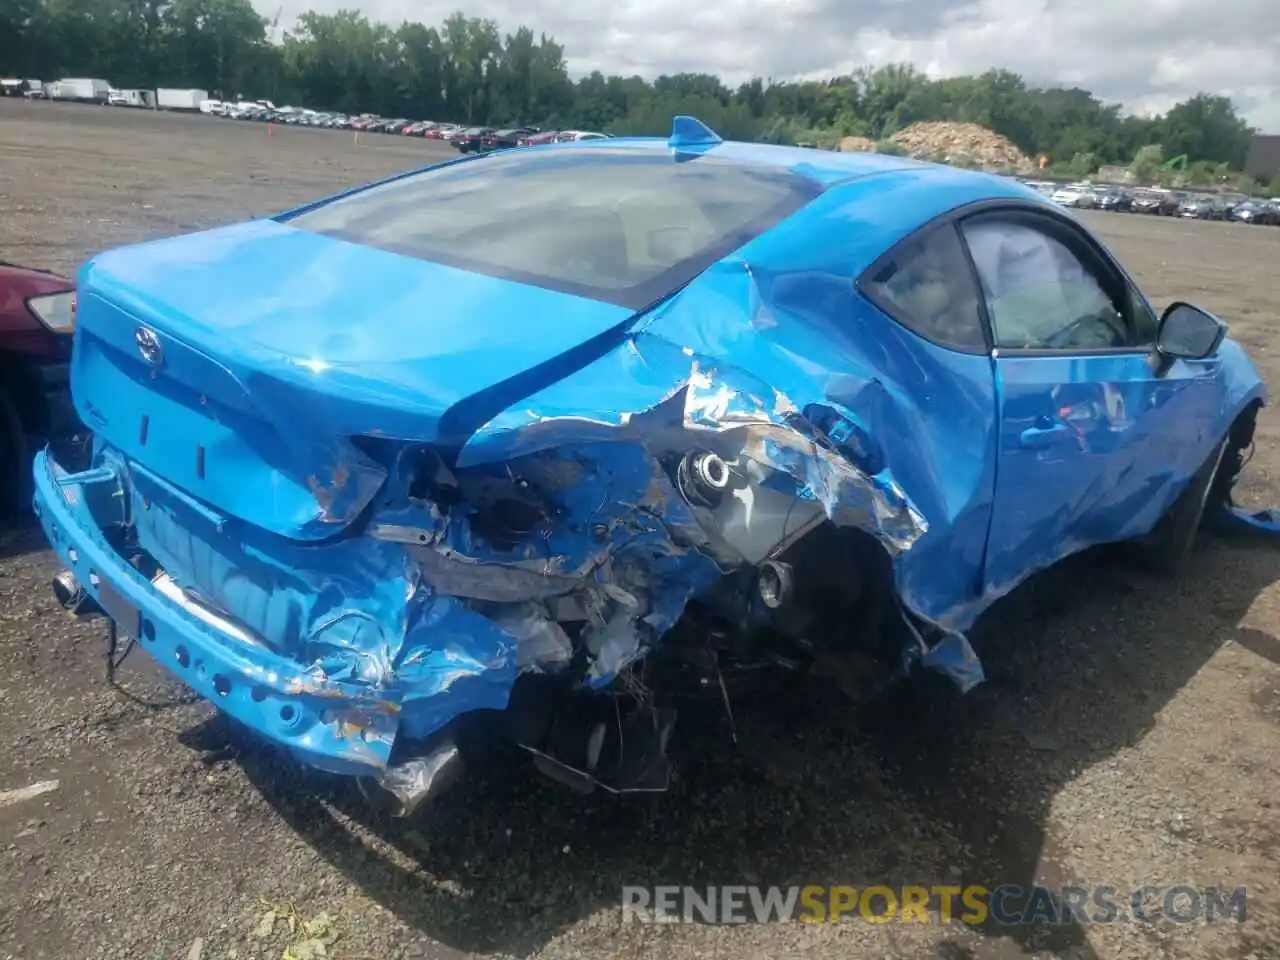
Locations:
(414, 781)
(1238, 521)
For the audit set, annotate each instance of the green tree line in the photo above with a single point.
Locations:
(468, 70)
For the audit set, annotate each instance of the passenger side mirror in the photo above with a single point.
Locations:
(1189, 333)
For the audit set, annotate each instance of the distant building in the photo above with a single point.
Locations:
(1112, 173)
(1263, 162)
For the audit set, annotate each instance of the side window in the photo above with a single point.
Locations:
(1040, 295)
(928, 287)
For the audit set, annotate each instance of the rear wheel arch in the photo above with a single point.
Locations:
(21, 384)
(1239, 439)
(1168, 547)
(24, 415)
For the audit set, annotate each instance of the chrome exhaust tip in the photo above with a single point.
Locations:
(67, 590)
(776, 583)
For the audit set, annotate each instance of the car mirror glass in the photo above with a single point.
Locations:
(1188, 332)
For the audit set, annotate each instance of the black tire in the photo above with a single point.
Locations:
(1168, 548)
(15, 460)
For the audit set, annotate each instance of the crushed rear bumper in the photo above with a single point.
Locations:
(342, 727)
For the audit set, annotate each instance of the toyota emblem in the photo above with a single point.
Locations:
(149, 346)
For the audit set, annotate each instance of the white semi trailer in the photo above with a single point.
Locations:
(171, 99)
(82, 89)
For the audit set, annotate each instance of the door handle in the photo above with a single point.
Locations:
(1045, 433)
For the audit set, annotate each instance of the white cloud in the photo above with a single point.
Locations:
(1146, 56)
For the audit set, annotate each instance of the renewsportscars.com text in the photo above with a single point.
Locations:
(1005, 905)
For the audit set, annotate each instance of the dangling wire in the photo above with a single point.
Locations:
(113, 642)
(724, 698)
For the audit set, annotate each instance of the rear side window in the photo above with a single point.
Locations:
(928, 286)
(622, 225)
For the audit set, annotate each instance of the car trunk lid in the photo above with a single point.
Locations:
(238, 364)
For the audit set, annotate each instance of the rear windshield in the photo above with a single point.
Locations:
(626, 226)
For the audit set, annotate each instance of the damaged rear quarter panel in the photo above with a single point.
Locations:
(779, 329)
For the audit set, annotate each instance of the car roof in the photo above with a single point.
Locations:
(866, 201)
(822, 166)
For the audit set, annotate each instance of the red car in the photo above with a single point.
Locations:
(507, 137)
(441, 131)
(537, 139)
(37, 317)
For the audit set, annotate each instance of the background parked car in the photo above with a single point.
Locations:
(1116, 200)
(1229, 202)
(567, 136)
(1200, 207)
(468, 139)
(1073, 195)
(1255, 212)
(507, 137)
(537, 139)
(37, 316)
(1045, 188)
(1156, 202)
(441, 131)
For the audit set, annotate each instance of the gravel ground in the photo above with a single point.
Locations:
(1128, 733)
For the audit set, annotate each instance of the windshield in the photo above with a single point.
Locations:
(621, 225)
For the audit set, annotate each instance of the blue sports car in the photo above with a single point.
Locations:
(536, 443)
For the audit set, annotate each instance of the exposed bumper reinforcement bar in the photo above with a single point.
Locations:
(332, 725)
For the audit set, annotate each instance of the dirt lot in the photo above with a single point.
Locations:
(1128, 733)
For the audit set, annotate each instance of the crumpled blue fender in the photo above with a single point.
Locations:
(741, 361)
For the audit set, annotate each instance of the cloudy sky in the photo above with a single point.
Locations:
(1147, 54)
